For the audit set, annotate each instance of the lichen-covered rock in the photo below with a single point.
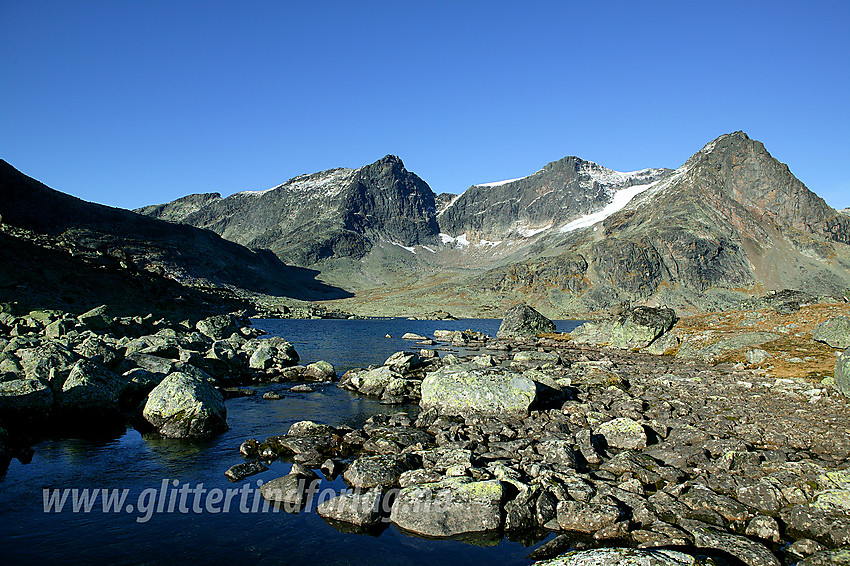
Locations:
(835, 332)
(463, 390)
(360, 509)
(522, 320)
(382, 470)
(626, 557)
(636, 328)
(320, 371)
(842, 373)
(828, 558)
(748, 551)
(370, 382)
(449, 507)
(95, 319)
(826, 525)
(623, 433)
(218, 327)
(185, 406)
(91, 387)
(586, 517)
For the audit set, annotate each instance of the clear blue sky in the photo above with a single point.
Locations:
(132, 103)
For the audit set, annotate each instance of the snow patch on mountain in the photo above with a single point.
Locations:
(619, 202)
(529, 232)
(324, 184)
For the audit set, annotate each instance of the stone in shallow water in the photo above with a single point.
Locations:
(184, 406)
(358, 508)
(450, 507)
(245, 469)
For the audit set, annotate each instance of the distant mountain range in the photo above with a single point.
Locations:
(571, 238)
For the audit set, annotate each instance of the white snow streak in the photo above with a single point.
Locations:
(500, 183)
(408, 248)
(621, 199)
(527, 233)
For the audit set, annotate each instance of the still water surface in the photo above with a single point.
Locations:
(123, 459)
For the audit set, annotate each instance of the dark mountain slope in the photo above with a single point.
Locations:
(34, 214)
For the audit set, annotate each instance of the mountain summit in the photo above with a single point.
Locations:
(334, 213)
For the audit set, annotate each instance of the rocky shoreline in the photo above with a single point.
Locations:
(619, 453)
(59, 371)
(653, 452)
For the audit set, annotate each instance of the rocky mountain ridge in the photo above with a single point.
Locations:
(334, 213)
(59, 251)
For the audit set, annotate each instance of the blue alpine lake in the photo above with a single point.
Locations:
(153, 525)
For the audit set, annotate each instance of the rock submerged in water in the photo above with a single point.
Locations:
(523, 320)
(465, 390)
(185, 406)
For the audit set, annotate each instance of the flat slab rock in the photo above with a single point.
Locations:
(465, 390)
(449, 507)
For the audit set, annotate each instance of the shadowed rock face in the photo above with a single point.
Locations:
(62, 246)
(335, 213)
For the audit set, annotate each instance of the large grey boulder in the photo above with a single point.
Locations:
(842, 373)
(522, 320)
(449, 507)
(91, 387)
(270, 352)
(360, 509)
(636, 328)
(465, 390)
(623, 433)
(185, 406)
(835, 332)
(218, 327)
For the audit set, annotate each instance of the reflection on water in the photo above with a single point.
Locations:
(124, 459)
